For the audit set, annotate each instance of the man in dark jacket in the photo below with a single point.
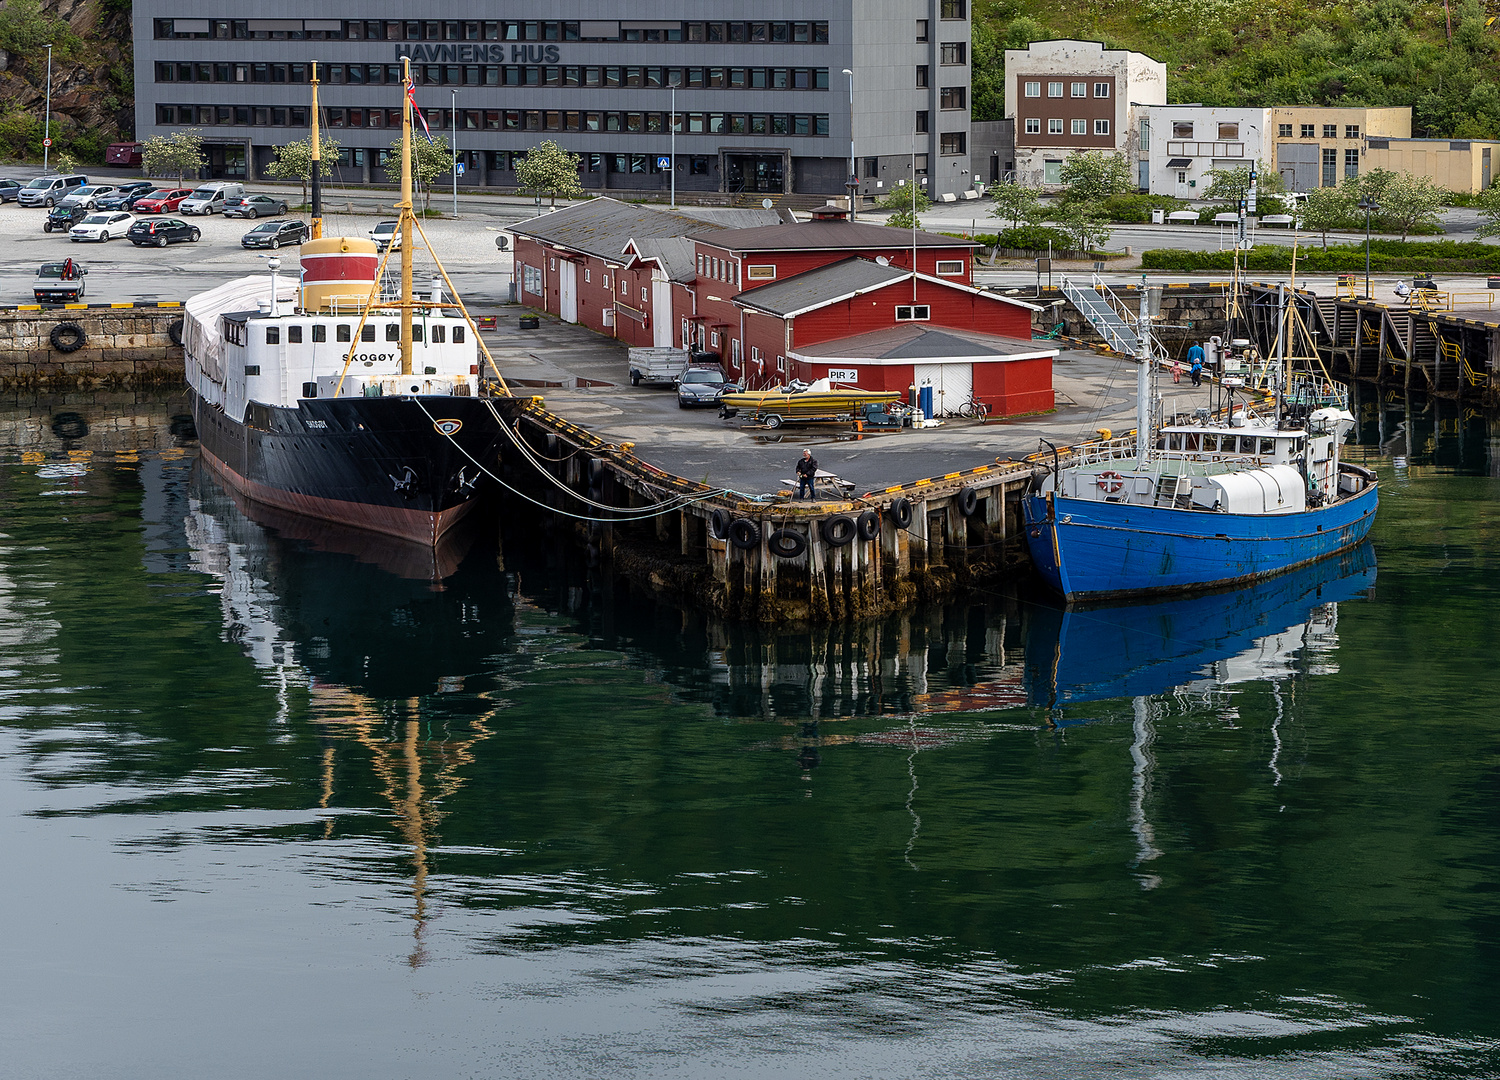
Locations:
(807, 469)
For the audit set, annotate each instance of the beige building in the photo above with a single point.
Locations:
(1319, 147)
(1465, 165)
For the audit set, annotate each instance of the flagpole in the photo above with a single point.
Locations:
(405, 207)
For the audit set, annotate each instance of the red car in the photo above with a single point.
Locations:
(164, 201)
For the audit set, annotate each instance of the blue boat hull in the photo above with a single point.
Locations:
(1097, 550)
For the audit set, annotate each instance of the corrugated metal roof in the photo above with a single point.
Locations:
(603, 226)
(827, 236)
(821, 286)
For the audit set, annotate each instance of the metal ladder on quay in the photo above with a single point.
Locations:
(1093, 305)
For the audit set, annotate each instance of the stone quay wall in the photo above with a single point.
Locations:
(125, 346)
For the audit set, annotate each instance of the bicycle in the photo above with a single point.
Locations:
(974, 409)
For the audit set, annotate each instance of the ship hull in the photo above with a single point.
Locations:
(1089, 550)
(379, 464)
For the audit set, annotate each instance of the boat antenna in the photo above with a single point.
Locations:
(406, 215)
(1143, 378)
(317, 163)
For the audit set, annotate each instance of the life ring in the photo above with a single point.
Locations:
(1110, 482)
(786, 543)
(968, 501)
(67, 337)
(718, 523)
(744, 533)
(174, 332)
(867, 525)
(901, 513)
(838, 531)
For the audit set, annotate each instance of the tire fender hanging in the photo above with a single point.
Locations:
(968, 501)
(867, 525)
(67, 337)
(718, 523)
(901, 513)
(786, 543)
(174, 333)
(744, 533)
(838, 531)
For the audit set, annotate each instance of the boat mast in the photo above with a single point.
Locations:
(406, 216)
(1143, 380)
(317, 165)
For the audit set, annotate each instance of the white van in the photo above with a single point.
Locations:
(49, 190)
(210, 198)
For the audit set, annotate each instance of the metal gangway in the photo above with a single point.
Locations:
(1099, 306)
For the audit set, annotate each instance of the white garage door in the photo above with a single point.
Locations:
(952, 385)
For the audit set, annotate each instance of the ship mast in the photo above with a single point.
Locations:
(317, 165)
(406, 217)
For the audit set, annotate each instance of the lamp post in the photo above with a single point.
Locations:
(453, 112)
(1368, 205)
(672, 170)
(47, 124)
(853, 184)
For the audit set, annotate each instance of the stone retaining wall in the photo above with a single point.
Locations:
(125, 347)
(1190, 313)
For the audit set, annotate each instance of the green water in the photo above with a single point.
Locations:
(268, 807)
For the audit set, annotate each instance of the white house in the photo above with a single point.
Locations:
(1181, 144)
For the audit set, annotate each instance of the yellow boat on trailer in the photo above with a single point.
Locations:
(817, 402)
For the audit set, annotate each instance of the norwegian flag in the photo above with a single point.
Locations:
(411, 96)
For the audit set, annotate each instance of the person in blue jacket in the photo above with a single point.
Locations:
(1195, 362)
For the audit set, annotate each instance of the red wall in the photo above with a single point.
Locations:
(593, 298)
(956, 308)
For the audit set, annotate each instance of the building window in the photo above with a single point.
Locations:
(1330, 167)
(1101, 127)
(1033, 125)
(913, 312)
(950, 268)
(1330, 131)
(953, 142)
(954, 9)
(1080, 89)
(954, 52)
(1054, 89)
(1351, 131)
(760, 273)
(1054, 126)
(1052, 172)
(273, 335)
(922, 73)
(1080, 127)
(953, 97)
(1283, 131)
(921, 29)
(531, 279)
(1229, 131)
(1182, 129)
(1101, 89)
(1033, 89)
(1351, 162)
(921, 128)
(1308, 131)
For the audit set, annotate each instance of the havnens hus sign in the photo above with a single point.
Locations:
(481, 53)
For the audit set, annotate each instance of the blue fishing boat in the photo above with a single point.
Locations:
(1207, 502)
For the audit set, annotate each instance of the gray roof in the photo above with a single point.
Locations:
(922, 341)
(821, 286)
(677, 255)
(603, 226)
(828, 236)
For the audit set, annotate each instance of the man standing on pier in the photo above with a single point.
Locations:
(807, 470)
(1195, 363)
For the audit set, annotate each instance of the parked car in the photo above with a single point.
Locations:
(63, 218)
(162, 201)
(385, 235)
(702, 386)
(59, 283)
(159, 232)
(9, 190)
(210, 198)
(87, 196)
(254, 206)
(102, 226)
(125, 196)
(48, 190)
(273, 234)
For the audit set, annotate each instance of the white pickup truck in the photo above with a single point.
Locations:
(59, 283)
(657, 365)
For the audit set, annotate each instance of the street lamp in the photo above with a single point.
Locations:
(47, 126)
(1368, 205)
(853, 184)
(453, 112)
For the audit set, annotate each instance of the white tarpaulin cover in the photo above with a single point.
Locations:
(202, 333)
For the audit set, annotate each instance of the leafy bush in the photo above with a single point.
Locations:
(1442, 256)
(1034, 238)
(1136, 209)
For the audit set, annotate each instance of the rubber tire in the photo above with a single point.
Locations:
(681, 404)
(174, 332)
(104, 238)
(786, 543)
(635, 378)
(718, 524)
(68, 337)
(968, 501)
(195, 236)
(49, 204)
(254, 213)
(901, 513)
(838, 531)
(275, 243)
(46, 226)
(161, 241)
(744, 533)
(867, 525)
(773, 421)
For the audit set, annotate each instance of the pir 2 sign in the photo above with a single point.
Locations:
(843, 374)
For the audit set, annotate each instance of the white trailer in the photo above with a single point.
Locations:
(657, 365)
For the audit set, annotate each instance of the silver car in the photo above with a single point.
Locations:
(87, 196)
(701, 386)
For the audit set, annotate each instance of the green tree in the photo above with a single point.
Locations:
(904, 212)
(1084, 223)
(1091, 176)
(180, 153)
(987, 83)
(1231, 185)
(1016, 202)
(1488, 205)
(293, 161)
(64, 162)
(26, 29)
(1409, 202)
(1328, 208)
(429, 160)
(548, 169)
